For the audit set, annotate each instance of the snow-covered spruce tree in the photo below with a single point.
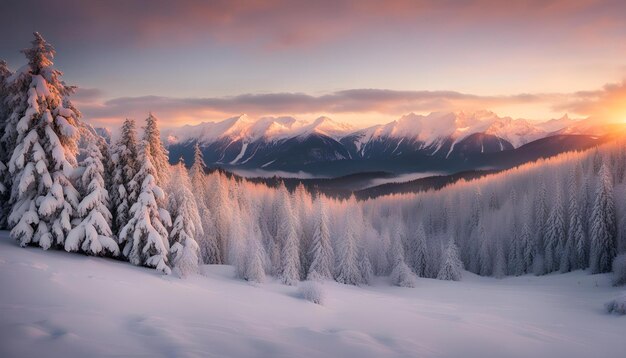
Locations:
(416, 256)
(255, 256)
(219, 204)
(555, 235)
(157, 152)
(451, 265)
(287, 238)
(93, 235)
(469, 255)
(43, 196)
(321, 252)
(145, 235)
(365, 266)
(235, 248)
(124, 191)
(576, 233)
(209, 251)
(526, 247)
(255, 268)
(485, 256)
(186, 226)
(5, 152)
(401, 274)
(347, 268)
(303, 210)
(603, 229)
(541, 215)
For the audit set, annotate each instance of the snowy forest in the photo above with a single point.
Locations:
(63, 187)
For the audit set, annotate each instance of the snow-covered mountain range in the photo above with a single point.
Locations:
(414, 142)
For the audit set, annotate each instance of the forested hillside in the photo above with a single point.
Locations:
(125, 200)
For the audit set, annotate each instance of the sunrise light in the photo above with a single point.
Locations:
(313, 178)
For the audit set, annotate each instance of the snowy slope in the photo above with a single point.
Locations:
(56, 304)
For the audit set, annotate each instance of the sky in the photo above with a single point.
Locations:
(361, 62)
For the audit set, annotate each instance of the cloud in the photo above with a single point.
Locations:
(175, 111)
(606, 104)
(297, 23)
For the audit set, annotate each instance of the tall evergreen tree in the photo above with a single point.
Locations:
(303, 210)
(255, 257)
(603, 231)
(321, 248)
(287, 239)
(401, 274)
(43, 196)
(124, 191)
(577, 242)
(157, 152)
(145, 236)
(417, 254)
(347, 270)
(220, 206)
(184, 250)
(527, 250)
(540, 220)
(485, 256)
(93, 234)
(451, 266)
(555, 235)
(207, 240)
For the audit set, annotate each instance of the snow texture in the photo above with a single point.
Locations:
(76, 306)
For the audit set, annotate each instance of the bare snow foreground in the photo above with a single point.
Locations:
(55, 304)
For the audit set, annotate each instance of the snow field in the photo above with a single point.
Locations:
(58, 304)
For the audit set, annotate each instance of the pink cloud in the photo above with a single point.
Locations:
(289, 23)
(175, 111)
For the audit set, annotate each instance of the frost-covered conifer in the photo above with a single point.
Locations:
(157, 152)
(145, 237)
(540, 220)
(287, 238)
(526, 247)
(365, 266)
(603, 225)
(576, 234)
(209, 250)
(485, 256)
(93, 235)
(125, 190)
(184, 250)
(255, 256)
(303, 211)
(417, 254)
(44, 124)
(401, 274)
(451, 266)
(321, 247)
(347, 267)
(219, 204)
(554, 235)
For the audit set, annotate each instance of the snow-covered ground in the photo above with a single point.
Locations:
(56, 304)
